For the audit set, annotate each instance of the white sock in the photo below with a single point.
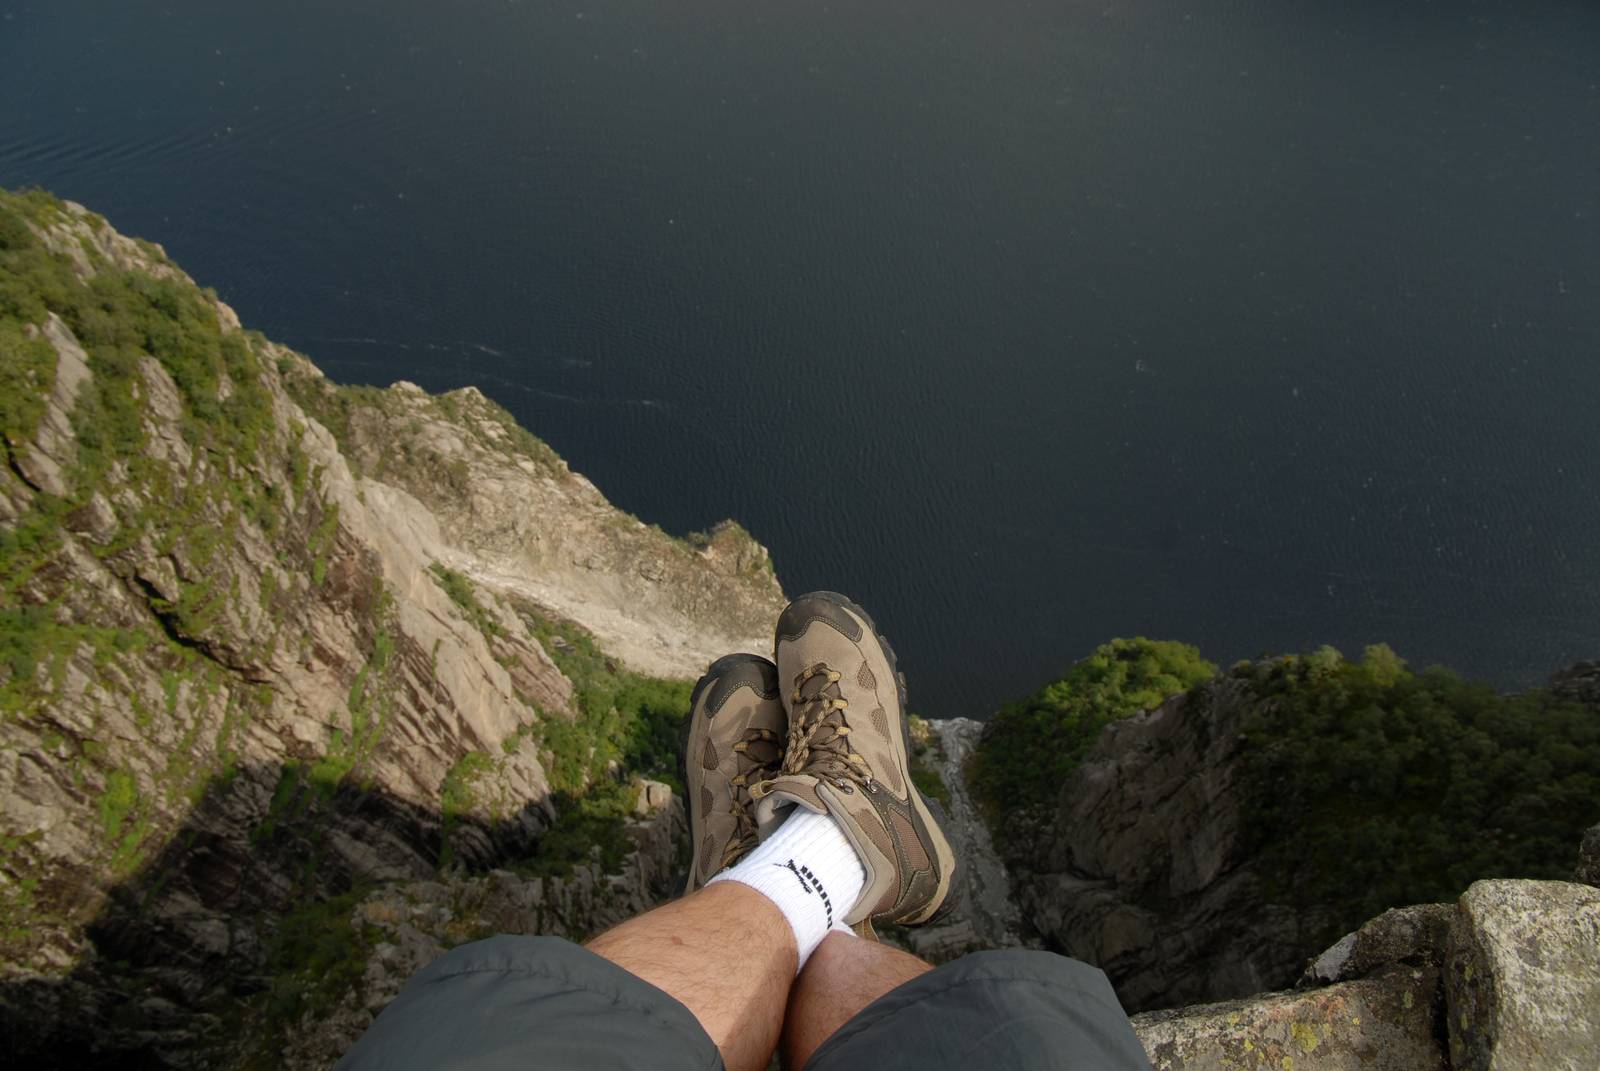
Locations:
(808, 869)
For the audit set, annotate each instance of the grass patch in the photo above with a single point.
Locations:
(458, 796)
(27, 376)
(35, 649)
(461, 592)
(926, 755)
(321, 543)
(592, 825)
(117, 801)
(623, 716)
(317, 955)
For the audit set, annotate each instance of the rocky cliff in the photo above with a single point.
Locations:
(1204, 848)
(1143, 868)
(270, 641)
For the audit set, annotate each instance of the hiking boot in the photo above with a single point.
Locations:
(733, 738)
(847, 755)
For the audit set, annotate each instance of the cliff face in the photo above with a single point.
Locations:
(1144, 867)
(267, 640)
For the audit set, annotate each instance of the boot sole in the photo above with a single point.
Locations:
(933, 813)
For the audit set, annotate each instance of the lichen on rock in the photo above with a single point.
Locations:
(1523, 977)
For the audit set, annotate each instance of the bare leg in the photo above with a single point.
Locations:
(725, 953)
(843, 975)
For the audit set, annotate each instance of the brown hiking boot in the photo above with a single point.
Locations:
(734, 738)
(847, 756)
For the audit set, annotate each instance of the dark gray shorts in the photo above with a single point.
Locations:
(540, 1002)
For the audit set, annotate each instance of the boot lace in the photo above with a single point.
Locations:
(758, 752)
(818, 742)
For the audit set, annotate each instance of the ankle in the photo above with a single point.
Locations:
(809, 871)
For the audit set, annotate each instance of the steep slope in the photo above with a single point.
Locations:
(245, 672)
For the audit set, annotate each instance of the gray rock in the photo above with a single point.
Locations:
(653, 796)
(1412, 935)
(1385, 1022)
(985, 915)
(1522, 978)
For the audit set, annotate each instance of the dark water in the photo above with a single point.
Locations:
(1260, 324)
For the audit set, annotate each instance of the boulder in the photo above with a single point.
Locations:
(1385, 1022)
(1414, 934)
(1522, 977)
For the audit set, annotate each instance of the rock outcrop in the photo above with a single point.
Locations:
(1508, 977)
(1579, 682)
(1386, 1022)
(505, 510)
(1140, 870)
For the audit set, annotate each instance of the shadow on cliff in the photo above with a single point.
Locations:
(182, 955)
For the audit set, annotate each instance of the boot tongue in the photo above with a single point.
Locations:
(790, 790)
(819, 685)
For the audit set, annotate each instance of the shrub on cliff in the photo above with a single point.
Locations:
(1371, 786)
(1032, 745)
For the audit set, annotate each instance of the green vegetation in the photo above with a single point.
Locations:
(35, 647)
(317, 955)
(121, 821)
(588, 826)
(124, 319)
(340, 408)
(333, 406)
(925, 756)
(731, 537)
(1364, 785)
(623, 716)
(459, 588)
(458, 795)
(1373, 786)
(27, 376)
(1032, 746)
(930, 784)
(322, 542)
(117, 802)
(120, 317)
